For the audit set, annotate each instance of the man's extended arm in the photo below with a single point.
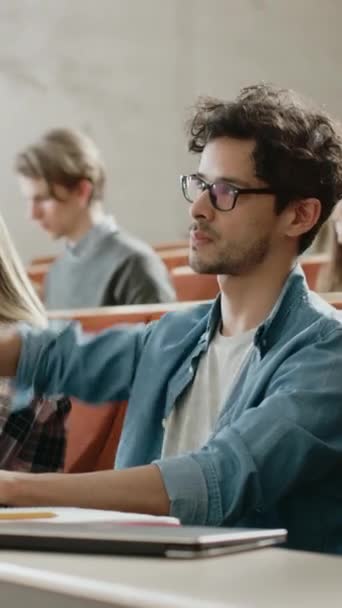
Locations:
(140, 490)
(54, 362)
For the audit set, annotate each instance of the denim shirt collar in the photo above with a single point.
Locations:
(293, 293)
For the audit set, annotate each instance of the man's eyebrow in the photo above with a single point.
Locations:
(235, 181)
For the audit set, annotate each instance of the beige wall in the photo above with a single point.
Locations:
(124, 70)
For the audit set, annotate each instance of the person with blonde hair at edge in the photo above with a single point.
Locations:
(32, 429)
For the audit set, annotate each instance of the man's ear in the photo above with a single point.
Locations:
(85, 190)
(304, 215)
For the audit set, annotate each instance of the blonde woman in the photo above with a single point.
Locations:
(33, 437)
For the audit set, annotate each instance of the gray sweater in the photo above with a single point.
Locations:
(107, 267)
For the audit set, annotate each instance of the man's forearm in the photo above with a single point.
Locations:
(140, 490)
(10, 347)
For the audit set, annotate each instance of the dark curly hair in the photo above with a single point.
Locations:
(298, 149)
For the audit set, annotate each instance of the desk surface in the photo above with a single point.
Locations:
(264, 578)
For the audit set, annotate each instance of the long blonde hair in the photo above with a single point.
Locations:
(18, 299)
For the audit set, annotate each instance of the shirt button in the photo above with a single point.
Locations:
(163, 423)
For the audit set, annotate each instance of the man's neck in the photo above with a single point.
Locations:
(94, 216)
(247, 300)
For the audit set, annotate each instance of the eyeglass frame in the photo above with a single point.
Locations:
(213, 199)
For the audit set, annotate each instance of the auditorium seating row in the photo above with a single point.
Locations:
(160, 247)
(188, 284)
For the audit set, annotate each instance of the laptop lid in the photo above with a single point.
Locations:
(144, 540)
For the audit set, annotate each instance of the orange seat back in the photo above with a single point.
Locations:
(97, 319)
(47, 259)
(37, 273)
(93, 436)
(191, 286)
(175, 257)
(168, 245)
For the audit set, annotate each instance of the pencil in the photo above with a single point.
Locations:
(27, 515)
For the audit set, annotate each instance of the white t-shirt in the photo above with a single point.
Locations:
(194, 415)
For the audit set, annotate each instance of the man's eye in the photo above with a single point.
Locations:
(199, 184)
(222, 188)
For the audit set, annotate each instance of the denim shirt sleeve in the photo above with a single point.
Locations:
(94, 368)
(292, 436)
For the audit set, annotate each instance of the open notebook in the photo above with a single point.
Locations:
(110, 532)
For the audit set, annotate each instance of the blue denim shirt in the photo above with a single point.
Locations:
(275, 455)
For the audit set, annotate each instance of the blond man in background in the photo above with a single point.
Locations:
(62, 178)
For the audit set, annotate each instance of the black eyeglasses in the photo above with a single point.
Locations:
(223, 195)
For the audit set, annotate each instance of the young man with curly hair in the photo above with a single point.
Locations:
(235, 406)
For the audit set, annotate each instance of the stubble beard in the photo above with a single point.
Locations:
(231, 260)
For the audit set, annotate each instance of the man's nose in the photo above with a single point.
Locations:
(35, 210)
(202, 207)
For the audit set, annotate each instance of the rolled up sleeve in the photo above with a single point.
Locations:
(204, 486)
(186, 486)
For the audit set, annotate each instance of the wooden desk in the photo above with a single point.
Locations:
(268, 578)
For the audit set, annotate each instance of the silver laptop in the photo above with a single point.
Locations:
(138, 540)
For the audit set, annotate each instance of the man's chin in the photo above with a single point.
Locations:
(202, 266)
(53, 235)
